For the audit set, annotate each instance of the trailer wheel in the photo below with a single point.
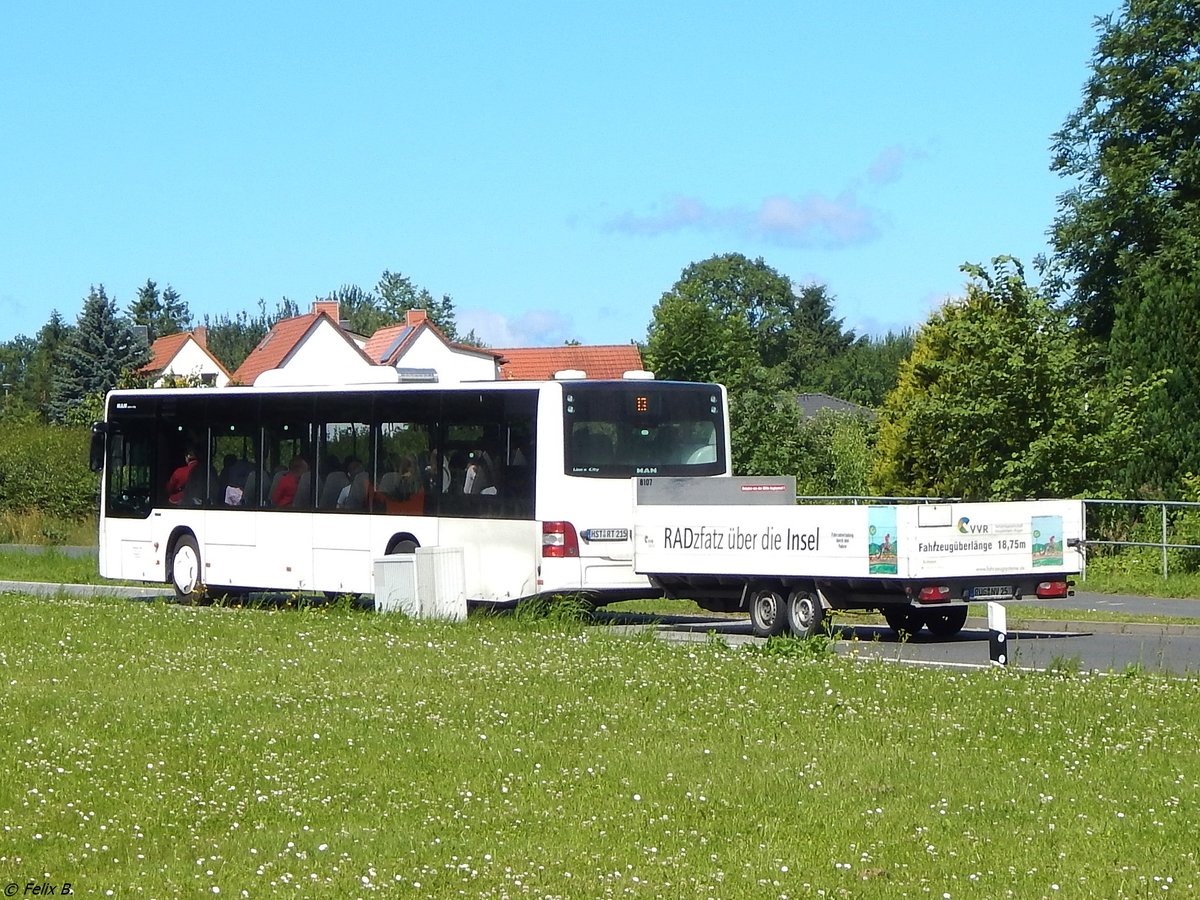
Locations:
(767, 616)
(903, 620)
(805, 614)
(185, 569)
(946, 623)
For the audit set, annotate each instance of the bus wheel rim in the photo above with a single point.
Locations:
(184, 570)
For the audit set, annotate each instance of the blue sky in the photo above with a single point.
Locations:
(552, 166)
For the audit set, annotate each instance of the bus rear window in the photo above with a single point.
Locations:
(623, 430)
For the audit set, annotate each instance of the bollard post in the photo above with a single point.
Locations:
(997, 634)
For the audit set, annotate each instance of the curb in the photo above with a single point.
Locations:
(46, 589)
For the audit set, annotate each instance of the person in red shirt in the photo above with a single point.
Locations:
(179, 479)
(285, 492)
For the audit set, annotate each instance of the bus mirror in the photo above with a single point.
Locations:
(96, 451)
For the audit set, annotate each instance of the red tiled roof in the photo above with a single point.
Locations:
(164, 349)
(540, 363)
(380, 342)
(283, 337)
(387, 344)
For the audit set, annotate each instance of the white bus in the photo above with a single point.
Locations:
(301, 489)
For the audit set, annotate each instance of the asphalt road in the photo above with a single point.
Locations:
(1067, 643)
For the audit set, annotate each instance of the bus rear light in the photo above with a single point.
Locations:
(937, 593)
(559, 540)
(1053, 590)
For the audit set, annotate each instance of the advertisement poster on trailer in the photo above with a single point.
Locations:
(984, 539)
(818, 540)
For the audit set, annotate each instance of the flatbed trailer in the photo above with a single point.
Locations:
(744, 544)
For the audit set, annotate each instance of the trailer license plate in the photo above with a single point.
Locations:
(992, 592)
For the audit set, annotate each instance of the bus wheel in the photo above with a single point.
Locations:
(805, 614)
(185, 569)
(767, 613)
(946, 623)
(903, 620)
(402, 546)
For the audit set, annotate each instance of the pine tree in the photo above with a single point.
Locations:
(51, 338)
(100, 349)
(397, 294)
(162, 313)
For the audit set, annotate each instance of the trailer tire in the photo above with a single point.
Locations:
(804, 614)
(946, 623)
(903, 620)
(767, 614)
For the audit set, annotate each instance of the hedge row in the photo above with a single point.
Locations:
(45, 468)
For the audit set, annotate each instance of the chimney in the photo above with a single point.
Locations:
(414, 317)
(200, 336)
(329, 307)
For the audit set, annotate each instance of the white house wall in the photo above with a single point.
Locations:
(192, 362)
(325, 357)
(428, 352)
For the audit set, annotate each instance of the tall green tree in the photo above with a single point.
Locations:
(1156, 331)
(16, 357)
(366, 311)
(98, 352)
(740, 322)
(722, 315)
(231, 338)
(814, 339)
(1132, 149)
(996, 402)
(162, 312)
(360, 310)
(729, 312)
(51, 339)
(868, 369)
(397, 294)
(1128, 231)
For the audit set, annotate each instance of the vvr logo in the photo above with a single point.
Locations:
(965, 526)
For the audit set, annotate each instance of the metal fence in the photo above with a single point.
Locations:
(1141, 516)
(1107, 523)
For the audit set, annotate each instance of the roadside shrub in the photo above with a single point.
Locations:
(45, 468)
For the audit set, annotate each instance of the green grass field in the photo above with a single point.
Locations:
(157, 750)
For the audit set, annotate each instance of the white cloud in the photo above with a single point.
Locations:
(811, 221)
(535, 328)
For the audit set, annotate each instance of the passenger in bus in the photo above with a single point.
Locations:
(356, 494)
(400, 492)
(477, 479)
(232, 481)
(284, 492)
(178, 481)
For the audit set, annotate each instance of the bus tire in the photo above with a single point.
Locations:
(804, 614)
(946, 623)
(767, 616)
(903, 620)
(185, 569)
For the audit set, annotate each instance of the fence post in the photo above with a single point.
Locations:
(1164, 540)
